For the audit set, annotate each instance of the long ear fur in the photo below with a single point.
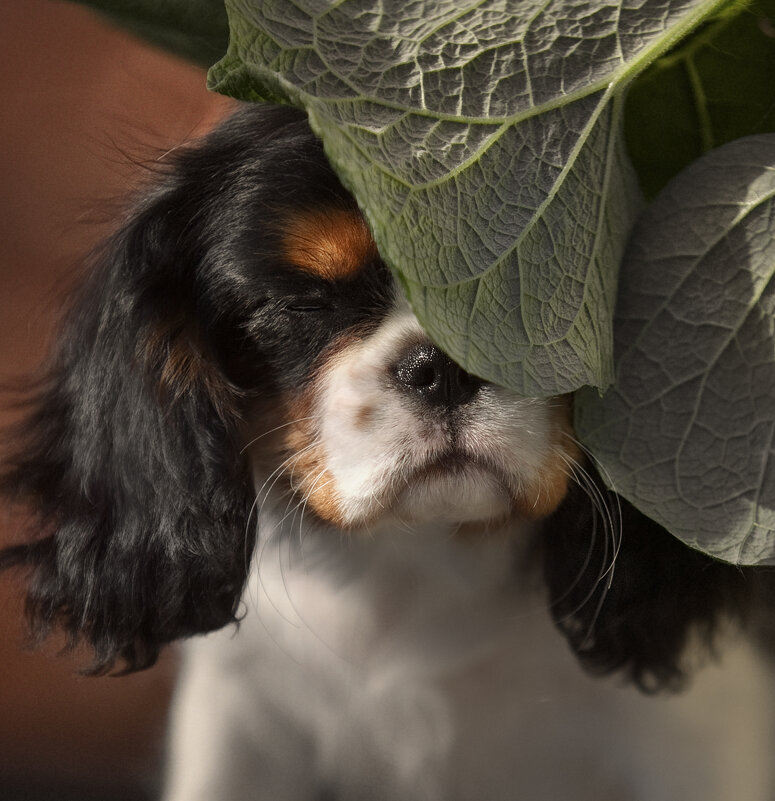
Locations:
(129, 456)
(628, 595)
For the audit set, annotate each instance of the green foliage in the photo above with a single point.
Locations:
(715, 86)
(491, 146)
(688, 429)
(484, 144)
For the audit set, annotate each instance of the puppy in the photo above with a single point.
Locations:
(245, 431)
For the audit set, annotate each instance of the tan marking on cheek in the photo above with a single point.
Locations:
(330, 243)
(296, 440)
(547, 492)
(324, 500)
(264, 433)
(308, 475)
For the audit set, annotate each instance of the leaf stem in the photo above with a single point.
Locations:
(700, 105)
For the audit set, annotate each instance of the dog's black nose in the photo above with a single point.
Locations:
(426, 371)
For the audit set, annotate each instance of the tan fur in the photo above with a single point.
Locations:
(331, 243)
(182, 365)
(308, 474)
(542, 497)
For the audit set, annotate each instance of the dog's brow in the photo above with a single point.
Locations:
(330, 243)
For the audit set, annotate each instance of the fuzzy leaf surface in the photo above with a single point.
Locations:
(687, 433)
(484, 142)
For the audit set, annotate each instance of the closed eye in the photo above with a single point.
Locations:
(306, 305)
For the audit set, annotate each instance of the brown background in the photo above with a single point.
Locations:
(82, 106)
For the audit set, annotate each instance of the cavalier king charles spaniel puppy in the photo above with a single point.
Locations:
(402, 568)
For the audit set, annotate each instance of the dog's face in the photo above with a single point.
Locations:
(345, 401)
(377, 424)
(240, 336)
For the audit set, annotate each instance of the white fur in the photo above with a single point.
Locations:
(409, 667)
(401, 661)
(507, 438)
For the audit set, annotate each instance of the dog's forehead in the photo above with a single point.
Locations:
(328, 242)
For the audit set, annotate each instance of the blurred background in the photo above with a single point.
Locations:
(83, 107)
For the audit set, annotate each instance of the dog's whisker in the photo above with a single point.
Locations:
(293, 422)
(247, 555)
(612, 526)
(602, 514)
(299, 509)
(264, 590)
(611, 520)
(286, 467)
(265, 491)
(579, 474)
(302, 501)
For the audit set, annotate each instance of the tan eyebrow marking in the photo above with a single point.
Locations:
(330, 243)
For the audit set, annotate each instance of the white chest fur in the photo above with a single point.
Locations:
(416, 667)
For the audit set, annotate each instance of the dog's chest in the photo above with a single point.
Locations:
(424, 669)
(388, 652)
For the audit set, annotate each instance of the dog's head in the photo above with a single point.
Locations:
(377, 426)
(240, 335)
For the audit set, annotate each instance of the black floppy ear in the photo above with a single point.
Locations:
(627, 594)
(129, 454)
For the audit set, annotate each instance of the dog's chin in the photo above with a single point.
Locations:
(466, 494)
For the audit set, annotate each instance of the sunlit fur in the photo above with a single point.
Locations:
(368, 450)
(243, 419)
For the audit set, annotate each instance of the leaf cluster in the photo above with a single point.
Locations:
(546, 181)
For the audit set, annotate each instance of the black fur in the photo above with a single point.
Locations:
(630, 597)
(130, 451)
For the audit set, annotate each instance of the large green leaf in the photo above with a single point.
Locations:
(483, 140)
(688, 431)
(717, 85)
